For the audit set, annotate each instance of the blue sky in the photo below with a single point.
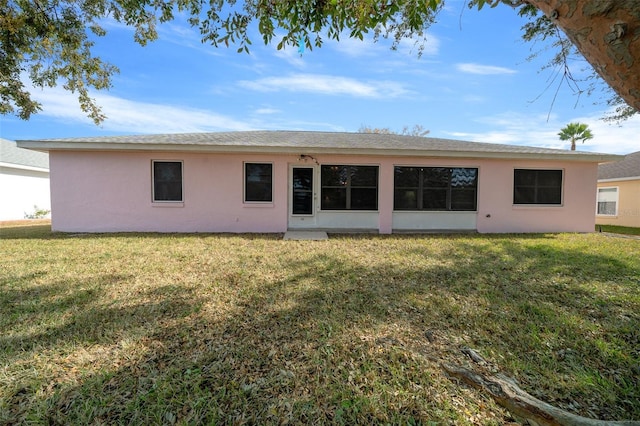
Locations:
(473, 82)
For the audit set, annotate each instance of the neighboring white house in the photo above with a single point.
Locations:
(24, 181)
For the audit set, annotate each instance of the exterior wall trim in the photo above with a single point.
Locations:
(622, 179)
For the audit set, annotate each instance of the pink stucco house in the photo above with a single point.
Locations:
(274, 181)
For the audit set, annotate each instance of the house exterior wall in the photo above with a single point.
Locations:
(20, 190)
(628, 204)
(111, 191)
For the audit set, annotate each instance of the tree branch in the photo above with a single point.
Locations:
(506, 393)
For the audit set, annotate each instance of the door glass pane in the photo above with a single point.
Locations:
(302, 179)
(302, 191)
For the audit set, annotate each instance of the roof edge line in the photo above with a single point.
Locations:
(111, 146)
(620, 179)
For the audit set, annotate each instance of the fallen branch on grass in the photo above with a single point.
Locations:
(523, 405)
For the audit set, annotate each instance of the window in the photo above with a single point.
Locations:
(608, 201)
(349, 187)
(258, 178)
(537, 186)
(435, 188)
(167, 181)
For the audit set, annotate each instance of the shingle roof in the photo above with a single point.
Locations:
(12, 155)
(626, 168)
(305, 142)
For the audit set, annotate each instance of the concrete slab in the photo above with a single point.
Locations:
(306, 235)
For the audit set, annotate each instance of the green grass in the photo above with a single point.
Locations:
(626, 230)
(233, 329)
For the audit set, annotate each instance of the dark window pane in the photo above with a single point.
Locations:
(364, 199)
(258, 182)
(405, 199)
(524, 195)
(406, 177)
(334, 199)
(537, 186)
(167, 181)
(434, 199)
(550, 178)
(334, 175)
(524, 177)
(463, 199)
(364, 176)
(549, 196)
(435, 188)
(435, 177)
(349, 187)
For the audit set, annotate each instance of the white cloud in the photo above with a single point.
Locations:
(267, 111)
(368, 47)
(472, 68)
(528, 130)
(430, 46)
(129, 116)
(289, 54)
(327, 85)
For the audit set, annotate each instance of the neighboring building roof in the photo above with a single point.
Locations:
(629, 167)
(12, 156)
(300, 142)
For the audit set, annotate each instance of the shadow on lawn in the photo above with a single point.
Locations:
(305, 348)
(85, 322)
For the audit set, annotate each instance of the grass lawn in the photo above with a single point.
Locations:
(251, 329)
(618, 229)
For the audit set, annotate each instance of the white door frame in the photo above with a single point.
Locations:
(303, 221)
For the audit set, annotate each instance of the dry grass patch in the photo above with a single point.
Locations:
(190, 329)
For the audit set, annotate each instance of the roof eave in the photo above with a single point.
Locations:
(619, 179)
(23, 167)
(47, 146)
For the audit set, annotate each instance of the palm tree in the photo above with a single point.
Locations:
(575, 132)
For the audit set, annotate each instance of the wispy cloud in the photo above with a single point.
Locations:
(368, 47)
(327, 85)
(267, 111)
(535, 130)
(472, 68)
(289, 54)
(124, 115)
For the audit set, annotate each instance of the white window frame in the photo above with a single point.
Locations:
(562, 183)
(153, 181)
(244, 182)
(420, 186)
(349, 187)
(617, 201)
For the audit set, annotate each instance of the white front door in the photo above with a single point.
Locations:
(302, 197)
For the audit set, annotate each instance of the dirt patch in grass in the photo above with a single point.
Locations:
(189, 329)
